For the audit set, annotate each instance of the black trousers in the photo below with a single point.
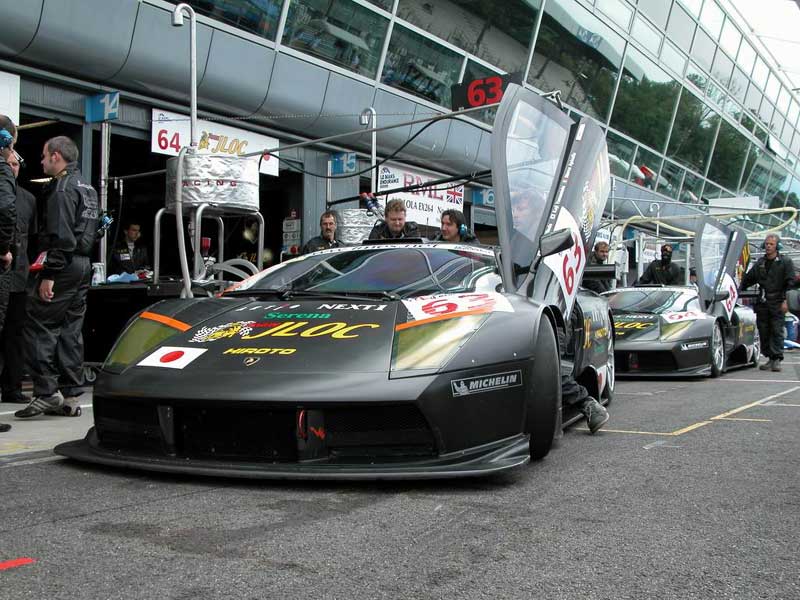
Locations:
(53, 332)
(12, 346)
(770, 321)
(572, 392)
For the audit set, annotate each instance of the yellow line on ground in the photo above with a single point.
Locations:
(690, 428)
(626, 431)
(744, 419)
(756, 403)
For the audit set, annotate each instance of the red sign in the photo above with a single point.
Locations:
(483, 91)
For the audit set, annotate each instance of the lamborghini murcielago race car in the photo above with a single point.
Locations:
(688, 330)
(382, 360)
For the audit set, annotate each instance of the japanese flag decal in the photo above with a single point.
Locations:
(171, 357)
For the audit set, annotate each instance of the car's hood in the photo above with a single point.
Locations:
(297, 336)
(666, 326)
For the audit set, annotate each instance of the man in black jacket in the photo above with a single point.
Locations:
(663, 271)
(394, 225)
(8, 215)
(327, 234)
(599, 256)
(774, 274)
(58, 300)
(12, 363)
(130, 255)
(454, 229)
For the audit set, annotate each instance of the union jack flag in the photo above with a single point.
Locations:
(456, 195)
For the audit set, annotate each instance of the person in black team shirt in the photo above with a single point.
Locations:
(454, 229)
(394, 225)
(57, 304)
(327, 234)
(8, 216)
(663, 271)
(774, 273)
(12, 361)
(599, 256)
(130, 255)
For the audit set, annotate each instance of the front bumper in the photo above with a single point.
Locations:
(478, 461)
(662, 359)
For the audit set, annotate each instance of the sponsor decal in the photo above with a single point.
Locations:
(222, 332)
(485, 383)
(454, 305)
(372, 307)
(689, 315)
(633, 317)
(171, 357)
(252, 330)
(633, 324)
(278, 315)
(694, 345)
(261, 307)
(424, 204)
(260, 351)
(251, 360)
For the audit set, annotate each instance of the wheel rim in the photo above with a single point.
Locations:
(717, 348)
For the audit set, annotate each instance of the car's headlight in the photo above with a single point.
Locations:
(429, 344)
(671, 331)
(142, 335)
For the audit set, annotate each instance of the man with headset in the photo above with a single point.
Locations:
(774, 274)
(8, 216)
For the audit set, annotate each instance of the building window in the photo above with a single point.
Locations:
(419, 65)
(579, 56)
(746, 58)
(729, 154)
(730, 38)
(692, 187)
(656, 10)
(669, 183)
(681, 27)
(693, 132)
(703, 49)
(498, 32)
(645, 101)
(697, 77)
(673, 58)
(712, 18)
(738, 84)
(620, 157)
(619, 11)
(647, 35)
(756, 172)
(256, 16)
(723, 66)
(760, 73)
(338, 31)
(648, 164)
(384, 4)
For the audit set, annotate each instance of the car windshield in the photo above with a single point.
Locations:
(658, 301)
(404, 271)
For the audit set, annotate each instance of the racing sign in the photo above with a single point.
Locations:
(729, 285)
(483, 91)
(169, 132)
(454, 305)
(424, 205)
(568, 264)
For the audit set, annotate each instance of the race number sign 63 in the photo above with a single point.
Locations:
(568, 265)
(728, 285)
(426, 307)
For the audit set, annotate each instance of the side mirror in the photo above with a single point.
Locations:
(721, 295)
(555, 242)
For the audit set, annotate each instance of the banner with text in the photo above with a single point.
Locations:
(424, 205)
(171, 131)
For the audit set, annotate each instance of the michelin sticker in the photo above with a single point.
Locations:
(485, 383)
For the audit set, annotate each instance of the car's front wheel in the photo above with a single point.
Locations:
(717, 351)
(544, 392)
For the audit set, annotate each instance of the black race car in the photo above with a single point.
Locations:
(688, 330)
(405, 360)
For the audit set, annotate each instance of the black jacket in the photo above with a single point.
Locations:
(657, 273)
(597, 285)
(26, 228)
(774, 279)
(125, 261)
(320, 243)
(380, 231)
(72, 218)
(8, 211)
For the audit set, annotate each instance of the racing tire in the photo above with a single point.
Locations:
(717, 351)
(756, 349)
(543, 396)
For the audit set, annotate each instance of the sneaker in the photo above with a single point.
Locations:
(776, 365)
(596, 414)
(767, 365)
(40, 405)
(4, 427)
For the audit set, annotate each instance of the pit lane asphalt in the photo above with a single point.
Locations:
(655, 506)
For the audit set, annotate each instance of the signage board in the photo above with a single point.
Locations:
(343, 163)
(171, 131)
(102, 107)
(483, 91)
(424, 205)
(9, 96)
